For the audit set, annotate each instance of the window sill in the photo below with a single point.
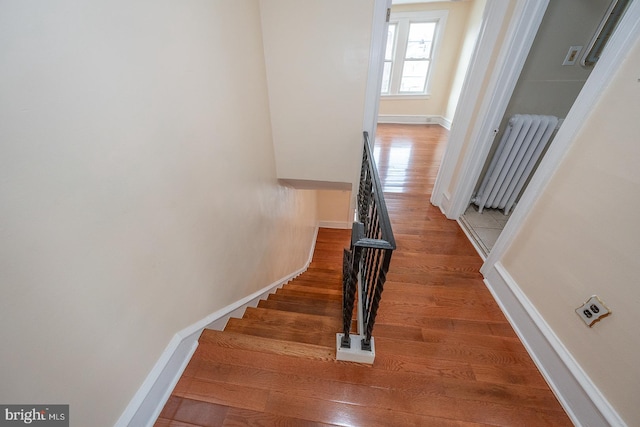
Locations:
(416, 97)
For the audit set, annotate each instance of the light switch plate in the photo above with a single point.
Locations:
(572, 55)
(592, 311)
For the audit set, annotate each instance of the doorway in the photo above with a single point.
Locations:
(548, 85)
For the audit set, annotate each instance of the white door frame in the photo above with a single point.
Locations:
(379, 27)
(626, 36)
(490, 107)
(525, 21)
(376, 66)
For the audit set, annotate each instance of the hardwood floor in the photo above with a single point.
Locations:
(445, 354)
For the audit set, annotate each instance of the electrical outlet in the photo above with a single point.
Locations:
(592, 311)
(572, 55)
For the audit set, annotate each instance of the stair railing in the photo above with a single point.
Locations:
(365, 264)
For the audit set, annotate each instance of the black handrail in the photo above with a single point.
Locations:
(368, 258)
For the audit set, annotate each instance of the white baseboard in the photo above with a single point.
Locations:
(445, 203)
(414, 120)
(150, 398)
(147, 403)
(342, 225)
(445, 123)
(404, 119)
(578, 395)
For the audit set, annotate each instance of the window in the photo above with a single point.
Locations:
(412, 43)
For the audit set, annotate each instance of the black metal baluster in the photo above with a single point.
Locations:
(349, 279)
(372, 284)
(372, 244)
(366, 341)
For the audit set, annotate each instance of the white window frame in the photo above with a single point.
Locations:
(402, 21)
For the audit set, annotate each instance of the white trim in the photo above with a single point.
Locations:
(404, 119)
(341, 225)
(445, 202)
(150, 398)
(524, 26)
(405, 97)
(402, 20)
(374, 77)
(147, 403)
(578, 395)
(414, 120)
(376, 62)
(627, 33)
(407, 119)
(445, 122)
(494, 15)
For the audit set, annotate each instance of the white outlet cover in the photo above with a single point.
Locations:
(592, 311)
(572, 55)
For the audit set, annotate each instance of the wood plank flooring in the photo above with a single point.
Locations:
(445, 354)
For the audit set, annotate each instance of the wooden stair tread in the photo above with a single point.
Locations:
(317, 285)
(303, 299)
(229, 339)
(256, 328)
(325, 272)
(308, 294)
(316, 290)
(322, 282)
(323, 310)
(289, 326)
(297, 320)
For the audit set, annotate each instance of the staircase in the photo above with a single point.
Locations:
(307, 310)
(445, 353)
(293, 326)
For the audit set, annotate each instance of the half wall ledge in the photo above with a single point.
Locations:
(305, 184)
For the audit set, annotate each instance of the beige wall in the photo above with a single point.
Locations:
(582, 238)
(334, 207)
(317, 55)
(138, 189)
(445, 64)
(471, 32)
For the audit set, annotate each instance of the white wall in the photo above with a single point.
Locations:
(581, 238)
(317, 54)
(545, 85)
(138, 189)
